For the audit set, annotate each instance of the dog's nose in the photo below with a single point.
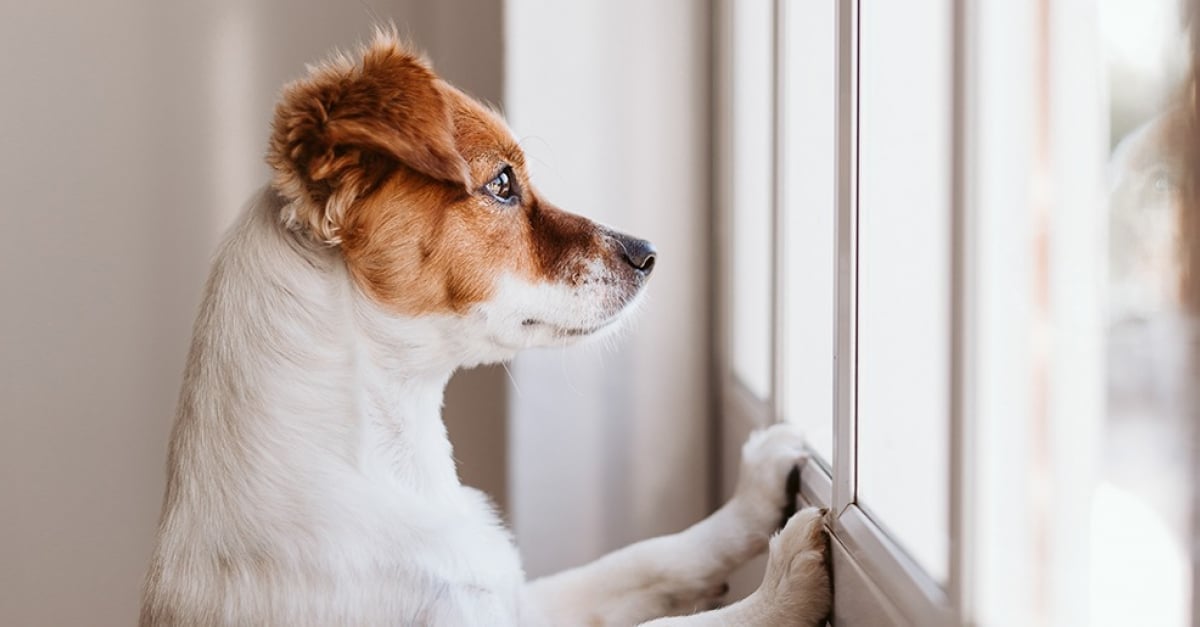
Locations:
(637, 252)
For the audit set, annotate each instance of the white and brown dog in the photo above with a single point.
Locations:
(311, 481)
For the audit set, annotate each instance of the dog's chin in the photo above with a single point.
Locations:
(562, 334)
(563, 319)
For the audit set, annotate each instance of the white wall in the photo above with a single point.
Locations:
(608, 445)
(130, 132)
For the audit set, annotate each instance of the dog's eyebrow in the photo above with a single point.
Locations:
(513, 155)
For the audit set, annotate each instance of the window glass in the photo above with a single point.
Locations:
(809, 133)
(750, 195)
(904, 273)
(1141, 519)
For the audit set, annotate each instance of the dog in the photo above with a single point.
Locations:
(310, 478)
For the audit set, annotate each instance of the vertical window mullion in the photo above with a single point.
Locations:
(961, 303)
(778, 315)
(846, 263)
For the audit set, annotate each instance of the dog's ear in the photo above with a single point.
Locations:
(338, 132)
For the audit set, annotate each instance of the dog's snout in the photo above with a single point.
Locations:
(642, 256)
(637, 253)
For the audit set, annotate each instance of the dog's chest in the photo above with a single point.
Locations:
(458, 565)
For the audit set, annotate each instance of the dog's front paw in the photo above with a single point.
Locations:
(795, 589)
(768, 457)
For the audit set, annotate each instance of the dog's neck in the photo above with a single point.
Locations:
(296, 363)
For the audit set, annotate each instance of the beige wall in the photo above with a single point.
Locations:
(130, 132)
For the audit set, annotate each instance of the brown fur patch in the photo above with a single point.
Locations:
(339, 132)
(562, 242)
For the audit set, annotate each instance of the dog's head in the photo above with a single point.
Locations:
(426, 193)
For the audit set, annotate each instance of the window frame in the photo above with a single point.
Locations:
(877, 582)
(1028, 255)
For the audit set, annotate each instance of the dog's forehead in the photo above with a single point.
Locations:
(483, 137)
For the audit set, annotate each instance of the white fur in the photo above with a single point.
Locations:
(311, 481)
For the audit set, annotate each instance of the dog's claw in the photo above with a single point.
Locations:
(793, 492)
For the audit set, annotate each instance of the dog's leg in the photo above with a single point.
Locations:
(686, 571)
(795, 589)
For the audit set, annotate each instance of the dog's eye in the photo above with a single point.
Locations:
(501, 187)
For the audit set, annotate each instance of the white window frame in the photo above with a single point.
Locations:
(876, 582)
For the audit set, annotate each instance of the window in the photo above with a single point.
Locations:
(751, 162)
(808, 80)
(986, 350)
(904, 282)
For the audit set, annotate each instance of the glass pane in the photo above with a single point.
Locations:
(751, 195)
(809, 133)
(1141, 504)
(904, 274)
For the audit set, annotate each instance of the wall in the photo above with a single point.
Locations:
(610, 443)
(130, 133)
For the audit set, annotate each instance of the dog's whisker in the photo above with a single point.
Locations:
(562, 355)
(512, 379)
(534, 157)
